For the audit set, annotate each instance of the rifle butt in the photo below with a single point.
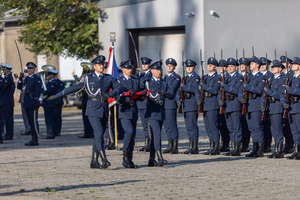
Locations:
(285, 113)
(244, 109)
(180, 110)
(200, 108)
(264, 116)
(222, 110)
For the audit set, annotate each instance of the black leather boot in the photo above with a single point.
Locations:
(111, 146)
(95, 163)
(245, 145)
(229, 152)
(211, 147)
(225, 145)
(274, 153)
(279, 151)
(152, 162)
(126, 159)
(297, 150)
(190, 148)
(216, 150)
(175, 147)
(260, 150)
(105, 162)
(253, 152)
(130, 160)
(160, 159)
(237, 149)
(195, 149)
(147, 144)
(170, 147)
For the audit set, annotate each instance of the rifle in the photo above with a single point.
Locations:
(244, 109)
(181, 86)
(237, 58)
(136, 55)
(200, 109)
(287, 96)
(264, 115)
(222, 110)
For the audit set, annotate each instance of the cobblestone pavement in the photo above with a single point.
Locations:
(59, 169)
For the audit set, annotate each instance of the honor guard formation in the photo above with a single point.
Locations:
(245, 100)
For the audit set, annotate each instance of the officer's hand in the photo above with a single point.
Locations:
(222, 84)
(36, 103)
(132, 93)
(104, 97)
(286, 87)
(221, 103)
(244, 85)
(161, 92)
(199, 102)
(201, 83)
(144, 92)
(21, 76)
(263, 109)
(179, 103)
(243, 101)
(265, 89)
(52, 97)
(285, 106)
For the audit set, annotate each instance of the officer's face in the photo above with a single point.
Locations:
(295, 67)
(254, 66)
(31, 70)
(190, 69)
(231, 68)
(170, 68)
(276, 70)
(243, 67)
(6, 71)
(263, 68)
(156, 73)
(50, 76)
(211, 67)
(284, 64)
(127, 72)
(99, 68)
(145, 66)
(223, 68)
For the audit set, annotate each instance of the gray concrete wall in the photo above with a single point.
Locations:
(264, 24)
(159, 13)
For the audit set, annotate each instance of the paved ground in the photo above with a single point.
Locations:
(59, 169)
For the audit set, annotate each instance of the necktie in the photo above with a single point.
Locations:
(100, 78)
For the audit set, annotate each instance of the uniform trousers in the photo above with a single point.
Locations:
(255, 126)
(30, 112)
(8, 116)
(245, 130)
(25, 119)
(88, 129)
(222, 125)
(295, 127)
(170, 124)
(99, 126)
(130, 133)
(286, 129)
(210, 122)
(190, 119)
(49, 121)
(57, 119)
(233, 121)
(156, 126)
(276, 128)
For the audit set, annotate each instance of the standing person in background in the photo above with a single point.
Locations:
(21, 101)
(57, 119)
(7, 102)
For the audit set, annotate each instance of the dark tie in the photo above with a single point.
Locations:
(100, 78)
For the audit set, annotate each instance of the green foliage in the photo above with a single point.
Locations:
(58, 27)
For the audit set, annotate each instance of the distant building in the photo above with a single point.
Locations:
(190, 25)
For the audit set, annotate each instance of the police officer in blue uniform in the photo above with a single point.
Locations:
(170, 123)
(49, 105)
(276, 102)
(221, 117)
(244, 65)
(190, 105)
(266, 125)
(255, 86)
(128, 111)
(232, 106)
(289, 143)
(7, 102)
(211, 107)
(57, 119)
(98, 87)
(146, 62)
(32, 91)
(293, 88)
(1, 115)
(155, 111)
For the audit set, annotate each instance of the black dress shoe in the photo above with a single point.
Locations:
(26, 133)
(1, 141)
(5, 137)
(32, 143)
(49, 138)
(84, 136)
